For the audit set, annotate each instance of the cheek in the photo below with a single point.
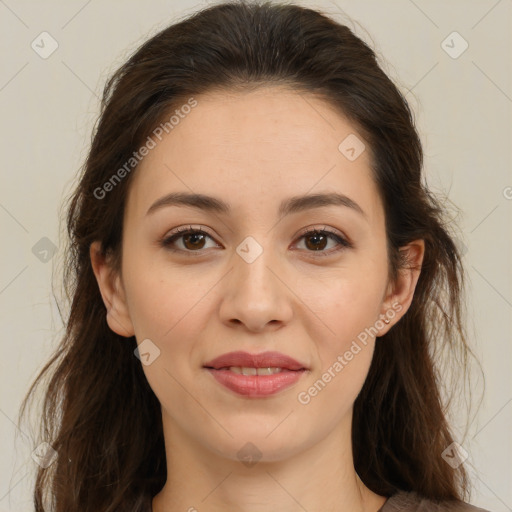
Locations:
(164, 301)
(348, 304)
(348, 310)
(169, 308)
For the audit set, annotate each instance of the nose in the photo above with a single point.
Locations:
(255, 294)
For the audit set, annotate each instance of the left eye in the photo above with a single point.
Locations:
(317, 240)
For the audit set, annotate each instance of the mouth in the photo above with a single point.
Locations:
(245, 370)
(244, 360)
(255, 375)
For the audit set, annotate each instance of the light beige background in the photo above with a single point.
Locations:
(463, 107)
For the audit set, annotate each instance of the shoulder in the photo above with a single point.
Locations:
(412, 502)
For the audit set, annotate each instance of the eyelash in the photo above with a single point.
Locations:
(180, 232)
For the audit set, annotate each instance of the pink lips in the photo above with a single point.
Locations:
(255, 385)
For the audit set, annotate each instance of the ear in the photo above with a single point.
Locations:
(112, 292)
(399, 294)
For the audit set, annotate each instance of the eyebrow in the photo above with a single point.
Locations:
(288, 206)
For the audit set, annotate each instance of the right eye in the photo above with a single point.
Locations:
(189, 238)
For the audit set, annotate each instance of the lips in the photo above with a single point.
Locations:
(255, 375)
(262, 360)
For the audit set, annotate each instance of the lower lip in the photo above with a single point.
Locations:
(256, 385)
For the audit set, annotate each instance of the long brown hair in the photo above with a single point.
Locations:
(99, 413)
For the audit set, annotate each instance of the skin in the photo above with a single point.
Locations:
(253, 150)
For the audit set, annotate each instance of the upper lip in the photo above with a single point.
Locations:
(261, 360)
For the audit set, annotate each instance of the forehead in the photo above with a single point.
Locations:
(257, 147)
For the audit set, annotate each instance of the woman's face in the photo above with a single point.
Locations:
(252, 280)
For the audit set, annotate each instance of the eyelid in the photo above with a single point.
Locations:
(187, 228)
(321, 228)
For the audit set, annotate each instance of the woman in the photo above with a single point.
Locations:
(259, 278)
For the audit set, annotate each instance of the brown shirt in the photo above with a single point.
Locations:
(411, 502)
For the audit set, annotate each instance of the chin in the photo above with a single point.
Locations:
(254, 441)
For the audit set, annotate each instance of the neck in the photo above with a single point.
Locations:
(321, 477)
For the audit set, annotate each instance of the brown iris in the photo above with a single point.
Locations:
(196, 240)
(319, 241)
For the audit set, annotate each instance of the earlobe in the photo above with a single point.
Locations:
(112, 292)
(400, 293)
